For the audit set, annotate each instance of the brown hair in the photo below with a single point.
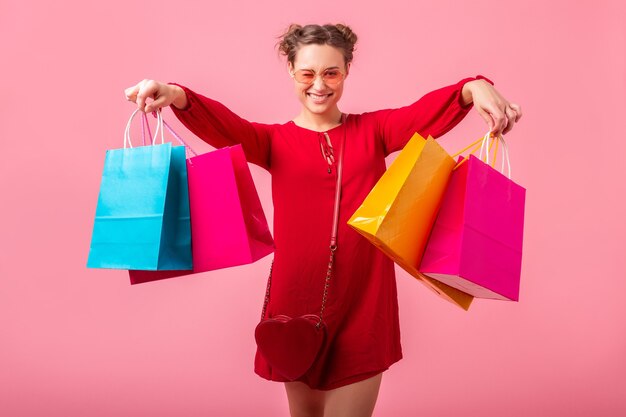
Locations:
(340, 36)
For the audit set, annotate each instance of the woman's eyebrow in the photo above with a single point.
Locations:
(310, 69)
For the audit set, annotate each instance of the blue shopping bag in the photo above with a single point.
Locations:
(142, 217)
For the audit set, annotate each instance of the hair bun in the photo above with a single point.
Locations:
(347, 33)
(294, 30)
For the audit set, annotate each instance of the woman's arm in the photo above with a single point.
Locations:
(180, 98)
(217, 125)
(439, 111)
(208, 119)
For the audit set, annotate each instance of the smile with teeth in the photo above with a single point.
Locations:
(319, 97)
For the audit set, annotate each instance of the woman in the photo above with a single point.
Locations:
(361, 312)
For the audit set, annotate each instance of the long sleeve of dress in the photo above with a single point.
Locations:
(215, 124)
(434, 114)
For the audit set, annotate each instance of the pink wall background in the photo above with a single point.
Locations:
(80, 342)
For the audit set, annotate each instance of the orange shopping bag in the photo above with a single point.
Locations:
(398, 214)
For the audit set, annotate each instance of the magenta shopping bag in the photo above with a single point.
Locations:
(228, 226)
(476, 242)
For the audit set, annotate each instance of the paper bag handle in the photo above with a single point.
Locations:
(485, 145)
(159, 127)
(169, 128)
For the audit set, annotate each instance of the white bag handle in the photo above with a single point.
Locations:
(159, 127)
(505, 152)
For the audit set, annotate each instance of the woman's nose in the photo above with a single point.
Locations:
(318, 82)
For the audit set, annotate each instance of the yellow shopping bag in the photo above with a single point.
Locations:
(398, 214)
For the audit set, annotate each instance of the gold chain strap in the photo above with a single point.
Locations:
(327, 283)
(267, 292)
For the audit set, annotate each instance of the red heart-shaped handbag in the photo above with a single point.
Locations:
(290, 345)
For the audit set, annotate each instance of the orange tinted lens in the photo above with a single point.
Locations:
(304, 76)
(332, 76)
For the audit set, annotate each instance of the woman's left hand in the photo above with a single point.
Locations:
(499, 114)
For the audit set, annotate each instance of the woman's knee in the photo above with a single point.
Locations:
(304, 401)
(357, 399)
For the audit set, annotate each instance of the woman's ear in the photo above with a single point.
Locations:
(348, 69)
(290, 69)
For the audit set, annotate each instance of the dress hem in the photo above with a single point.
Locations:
(334, 384)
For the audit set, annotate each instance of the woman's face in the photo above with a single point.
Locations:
(320, 97)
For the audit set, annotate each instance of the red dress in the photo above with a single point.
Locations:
(362, 309)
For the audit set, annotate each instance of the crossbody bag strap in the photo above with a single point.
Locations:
(333, 236)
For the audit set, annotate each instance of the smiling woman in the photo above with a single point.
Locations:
(357, 291)
(319, 94)
(325, 50)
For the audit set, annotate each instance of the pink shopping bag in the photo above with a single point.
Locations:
(228, 226)
(476, 242)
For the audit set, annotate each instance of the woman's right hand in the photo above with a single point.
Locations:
(162, 95)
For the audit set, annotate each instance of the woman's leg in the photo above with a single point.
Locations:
(354, 400)
(304, 401)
